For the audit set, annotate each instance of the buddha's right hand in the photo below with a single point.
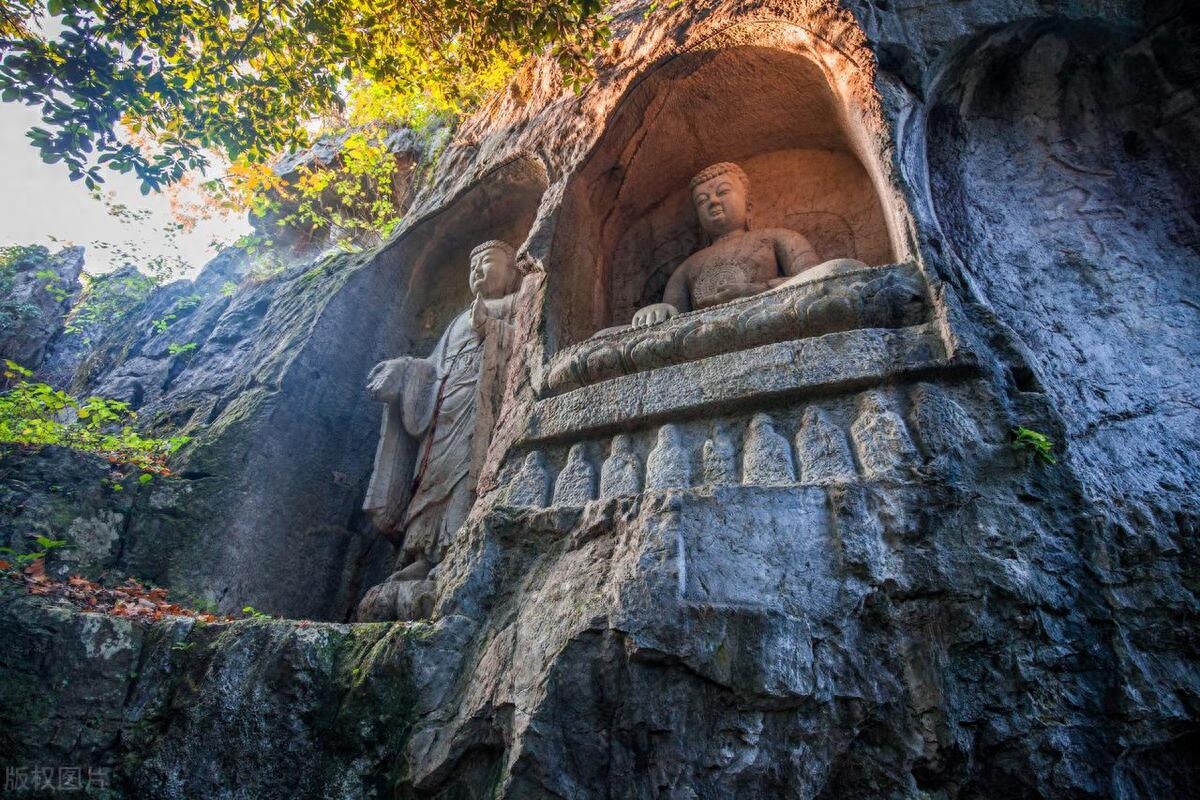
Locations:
(652, 315)
(387, 379)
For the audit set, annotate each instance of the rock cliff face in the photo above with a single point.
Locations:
(779, 548)
(253, 375)
(36, 290)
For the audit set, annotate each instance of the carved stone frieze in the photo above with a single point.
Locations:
(832, 364)
(853, 438)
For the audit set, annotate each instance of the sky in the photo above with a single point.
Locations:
(39, 201)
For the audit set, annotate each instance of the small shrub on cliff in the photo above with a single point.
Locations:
(182, 349)
(106, 299)
(34, 414)
(10, 557)
(53, 284)
(182, 305)
(1027, 440)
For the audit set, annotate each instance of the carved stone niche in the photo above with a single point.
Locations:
(502, 204)
(787, 113)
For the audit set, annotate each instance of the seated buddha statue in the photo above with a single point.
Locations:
(739, 262)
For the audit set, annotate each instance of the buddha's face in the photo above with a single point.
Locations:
(720, 204)
(493, 274)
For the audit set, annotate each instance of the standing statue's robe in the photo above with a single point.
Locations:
(426, 463)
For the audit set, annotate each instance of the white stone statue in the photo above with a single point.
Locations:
(438, 412)
(739, 262)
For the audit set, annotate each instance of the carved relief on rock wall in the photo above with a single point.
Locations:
(446, 402)
(439, 410)
(763, 138)
(848, 296)
(770, 258)
(823, 197)
(742, 279)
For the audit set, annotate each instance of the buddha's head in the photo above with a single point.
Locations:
(721, 194)
(494, 271)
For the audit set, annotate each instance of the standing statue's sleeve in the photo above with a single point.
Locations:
(419, 396)
(405, 421)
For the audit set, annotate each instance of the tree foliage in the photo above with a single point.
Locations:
(352, 191)
(152, 86)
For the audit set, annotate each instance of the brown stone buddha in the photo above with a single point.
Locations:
(739, 262)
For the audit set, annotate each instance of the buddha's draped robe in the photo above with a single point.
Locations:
(438, 407)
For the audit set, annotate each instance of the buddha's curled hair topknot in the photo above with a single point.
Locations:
(708, 173)
(502, 245)
(490, 243)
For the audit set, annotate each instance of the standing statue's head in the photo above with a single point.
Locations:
(494, 271)
(721, 194)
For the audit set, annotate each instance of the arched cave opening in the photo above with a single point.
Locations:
(429, 265)
(627, 219)
(397, 303)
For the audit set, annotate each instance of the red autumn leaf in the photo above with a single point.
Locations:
(130, 600)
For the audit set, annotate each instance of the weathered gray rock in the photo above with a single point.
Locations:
(266, 709)
(397, 599)
(262, 490)
(36, 292)
(63, 495)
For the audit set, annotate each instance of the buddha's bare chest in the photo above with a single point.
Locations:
(725, 264)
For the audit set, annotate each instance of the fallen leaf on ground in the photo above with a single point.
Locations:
(131, 599)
